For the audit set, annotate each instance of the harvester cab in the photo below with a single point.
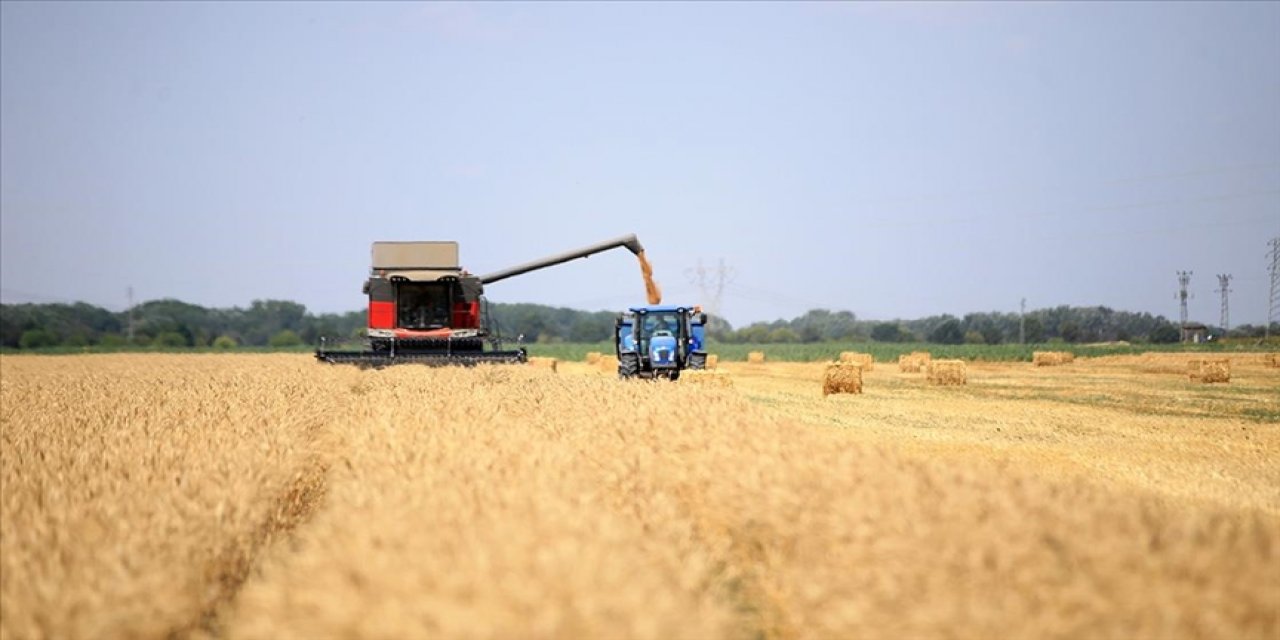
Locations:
(660, 341)
(425, 308)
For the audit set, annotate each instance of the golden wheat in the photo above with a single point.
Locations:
(269, 496)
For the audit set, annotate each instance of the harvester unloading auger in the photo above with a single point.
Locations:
(424, 308)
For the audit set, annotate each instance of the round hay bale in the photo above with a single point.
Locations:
(947, 372)
(755, 357)
(842, 377)
(593, 357)
(608, 364)
(713, 361)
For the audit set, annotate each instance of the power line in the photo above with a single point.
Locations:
(711, 283)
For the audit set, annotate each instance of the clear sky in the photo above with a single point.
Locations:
(896, 160)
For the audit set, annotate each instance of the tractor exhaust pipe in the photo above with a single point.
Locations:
(629, 241)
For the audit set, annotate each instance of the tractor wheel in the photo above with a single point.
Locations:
(697, 361)
(628, 366)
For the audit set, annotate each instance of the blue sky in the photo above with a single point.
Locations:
(896, 160)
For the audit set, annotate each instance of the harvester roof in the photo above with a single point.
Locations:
(419, 261)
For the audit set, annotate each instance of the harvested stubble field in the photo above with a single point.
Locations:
(267, 496)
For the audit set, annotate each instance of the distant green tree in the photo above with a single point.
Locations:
(948, 332)
(76, 340)
(37, 339)
(587, 329)
(171, 339)
(224, 342)
(111, 340)
(753, 333)
(783, 335)
(718, 329)
(285, 338)
(888, 332)
(1070, 331)
(1164, 334)
(992, 334)
(1034, 330)
(973, 337)
(1247, 331)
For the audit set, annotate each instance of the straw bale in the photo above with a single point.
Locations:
(864, 359)
(910, 363)
(713, 361)
(706, 377)
(914, 362)
(608, 364)
(1271, 360)
(755, 357)
(1068, 357)
(947, 372)
(1047, 358)
(842, 377)
(544, 363)
(593, 357)
(1210, 371)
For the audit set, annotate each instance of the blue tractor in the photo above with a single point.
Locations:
(660, 341)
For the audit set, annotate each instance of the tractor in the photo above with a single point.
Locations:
(660, 341)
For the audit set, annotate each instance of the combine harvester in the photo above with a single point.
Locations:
(425, 309)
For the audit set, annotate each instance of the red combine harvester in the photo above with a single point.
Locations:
(424, 308)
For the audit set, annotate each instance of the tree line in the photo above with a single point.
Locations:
(172, 323)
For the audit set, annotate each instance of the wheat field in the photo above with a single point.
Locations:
(267, 496)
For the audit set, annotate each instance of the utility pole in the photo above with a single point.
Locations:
(1224, 282)
(1022, 322)
(130, 293)
(1184, 279)
(1273, 302)
(711, 284)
